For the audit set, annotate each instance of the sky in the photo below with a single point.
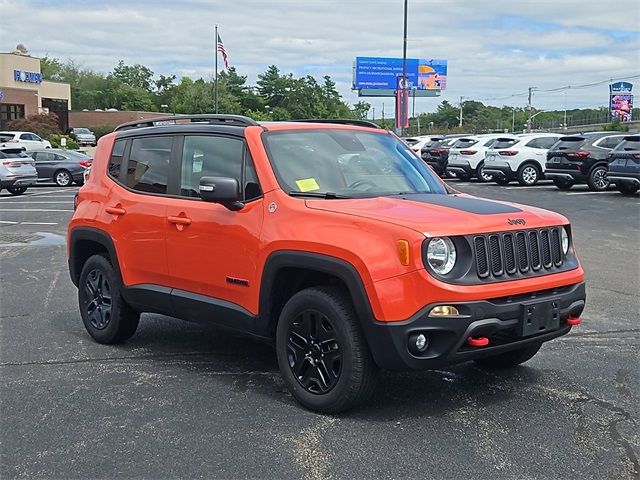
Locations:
(495, 49)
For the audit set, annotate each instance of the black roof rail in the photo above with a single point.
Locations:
(213, 119)
(341, 121)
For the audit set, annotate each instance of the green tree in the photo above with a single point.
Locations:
(136, 75)
(361, 110)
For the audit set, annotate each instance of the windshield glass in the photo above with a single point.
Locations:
(347, 163)
(83, 131)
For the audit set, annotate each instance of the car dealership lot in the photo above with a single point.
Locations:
(180, 401)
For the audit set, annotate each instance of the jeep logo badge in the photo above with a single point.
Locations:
(516, 221)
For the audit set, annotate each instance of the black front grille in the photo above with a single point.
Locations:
(523, 253)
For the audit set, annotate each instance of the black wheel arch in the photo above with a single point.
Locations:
(85, 242)
(288, 271)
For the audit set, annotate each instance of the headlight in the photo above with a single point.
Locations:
(441, 255)
(565, 240)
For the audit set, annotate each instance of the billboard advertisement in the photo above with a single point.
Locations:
(621, 101)
(383, 73)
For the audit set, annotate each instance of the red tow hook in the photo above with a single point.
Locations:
(573, 321)
(478, 341)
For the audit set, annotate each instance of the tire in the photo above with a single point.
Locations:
(509, 359)
(63, 178)
(481, 176)
(79, 182)
(501, 181)
(627, 188)
(597, 180)
(16, 190)
(322, 320)
(528, 175)
(563, 184)
(463, 177)
(105, 314)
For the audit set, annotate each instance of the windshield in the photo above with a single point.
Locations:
(347, 163)
(82, 131)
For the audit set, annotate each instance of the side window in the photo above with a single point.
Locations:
(44, 157)
(115, 162)
(25, 136)
(548, 142)
(535, 143)
(36, 138)
(209, 156)
(59, 158)
(609, 142)
(489, 142)
(148, 165)
(251, 184)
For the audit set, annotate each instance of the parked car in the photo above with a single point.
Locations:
(25, 140)
(82, 136)
(17, 170)
(330, 240)
(581, 158)
(521, 159)
(624, 165)
(62, 166)
(436, 152)
(466, 156)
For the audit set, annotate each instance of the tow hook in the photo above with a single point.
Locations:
(478, 341)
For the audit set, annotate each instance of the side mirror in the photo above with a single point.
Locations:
(223, 190)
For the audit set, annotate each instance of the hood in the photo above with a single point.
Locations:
(436, 215)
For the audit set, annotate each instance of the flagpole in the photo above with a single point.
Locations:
(216, 76)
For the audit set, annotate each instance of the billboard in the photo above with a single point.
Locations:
(382, 73)
(621, 101)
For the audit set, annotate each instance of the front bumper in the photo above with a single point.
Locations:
(500, 320)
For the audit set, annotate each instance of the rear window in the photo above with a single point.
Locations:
(434, 142)
(115, 162)
(504, 143)
(5, 138)
(628, 144)
(488, 143)
(14, 154)
(570, 143)
(464, 143)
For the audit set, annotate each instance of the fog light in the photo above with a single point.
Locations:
(444, 311)
(418, 343)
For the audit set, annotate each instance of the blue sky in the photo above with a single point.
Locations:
(494, 48)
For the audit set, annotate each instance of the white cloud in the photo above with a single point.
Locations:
(494, 48)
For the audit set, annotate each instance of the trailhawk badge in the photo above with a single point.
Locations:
(516, 221)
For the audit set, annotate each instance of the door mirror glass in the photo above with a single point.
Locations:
(223, 190)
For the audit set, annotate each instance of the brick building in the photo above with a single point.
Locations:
(24, 91)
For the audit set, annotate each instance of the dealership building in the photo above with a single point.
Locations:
(24, 91)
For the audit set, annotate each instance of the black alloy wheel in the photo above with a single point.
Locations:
(98, 294)
(314, 354)
(598, 181)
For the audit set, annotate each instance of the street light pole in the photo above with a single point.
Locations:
(404, 65)
(460, 124)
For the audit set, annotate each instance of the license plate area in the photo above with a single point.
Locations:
(539, 317)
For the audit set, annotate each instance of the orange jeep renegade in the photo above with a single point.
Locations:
(330, 239)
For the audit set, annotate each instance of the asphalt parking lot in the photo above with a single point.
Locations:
(181, 401)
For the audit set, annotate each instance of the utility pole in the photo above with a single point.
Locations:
(216, 76)
(403, 86)
(565, 110)
(374, 113)
(529, 107)
(460, 124)
(513, 120)
(383, 115)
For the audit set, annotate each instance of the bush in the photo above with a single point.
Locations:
(615, 126)
(55, 142)
(102, 130)
(41, 124)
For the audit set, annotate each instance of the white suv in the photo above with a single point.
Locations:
(466, 157)
(23, 140)
(523, 158)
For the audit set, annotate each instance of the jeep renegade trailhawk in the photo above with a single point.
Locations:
(332, 240)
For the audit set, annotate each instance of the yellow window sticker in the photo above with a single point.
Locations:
(307, 184)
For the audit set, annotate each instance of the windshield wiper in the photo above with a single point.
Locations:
(329, 195)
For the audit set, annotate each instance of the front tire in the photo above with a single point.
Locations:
(528, 175)
(322, 353)
(509, 359)
(63, 178)
(598, 181)
(105, 314)
(563, 184)
(17, 190)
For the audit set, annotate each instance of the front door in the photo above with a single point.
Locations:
(211, 250)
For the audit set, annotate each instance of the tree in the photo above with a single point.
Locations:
(135, 76)
(361, 109)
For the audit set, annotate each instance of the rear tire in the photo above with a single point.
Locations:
(627, 188)
(509, 359)
(481, 176)
(62, 178)
(598, 181)
(528, 175)
(17, 190)
(322, 352)
(463, 177)
(563, 184)
(105, 314)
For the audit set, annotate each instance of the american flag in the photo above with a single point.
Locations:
(220, 48)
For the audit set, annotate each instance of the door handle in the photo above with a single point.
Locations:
(117, 211)
(179, 222)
